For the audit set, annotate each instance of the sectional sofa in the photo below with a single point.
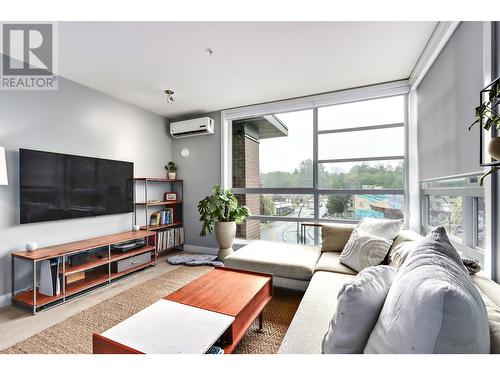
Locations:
(318, 271)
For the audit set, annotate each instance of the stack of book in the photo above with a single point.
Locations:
(165, 216)
(169, 238)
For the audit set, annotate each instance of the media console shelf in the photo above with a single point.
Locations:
(99, 268)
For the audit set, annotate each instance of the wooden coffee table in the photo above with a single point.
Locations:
(239, 295)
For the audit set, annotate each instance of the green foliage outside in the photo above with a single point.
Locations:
(379, 175)
(336, 205)
(266, 205)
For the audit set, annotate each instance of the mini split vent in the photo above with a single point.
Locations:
(190, 128)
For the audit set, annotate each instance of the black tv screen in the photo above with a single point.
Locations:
(59, 186)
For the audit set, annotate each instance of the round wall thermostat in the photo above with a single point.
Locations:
(185, 152)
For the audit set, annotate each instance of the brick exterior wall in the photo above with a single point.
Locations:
(238, 160)
(246, 174)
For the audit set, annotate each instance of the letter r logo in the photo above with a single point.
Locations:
(27, 49)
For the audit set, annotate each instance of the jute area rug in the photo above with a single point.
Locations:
(74, 335)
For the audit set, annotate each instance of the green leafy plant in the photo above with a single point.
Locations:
(171, 167)
(223, 206)
(491, 171)
(487, 112)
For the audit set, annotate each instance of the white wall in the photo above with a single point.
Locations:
(78, 120)
(447, 96)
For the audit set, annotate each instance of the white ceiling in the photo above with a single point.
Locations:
(254, 62)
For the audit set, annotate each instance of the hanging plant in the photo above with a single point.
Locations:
(487, 116)
(485, 110)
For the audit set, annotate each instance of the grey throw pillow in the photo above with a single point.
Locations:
(433, 305)
(358, 306)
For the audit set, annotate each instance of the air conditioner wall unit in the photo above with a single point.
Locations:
(190, 128)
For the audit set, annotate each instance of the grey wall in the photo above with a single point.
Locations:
(77, 120)
(447, 97)
(201, 170)
(497, 47)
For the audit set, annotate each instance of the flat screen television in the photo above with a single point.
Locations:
(58, 186)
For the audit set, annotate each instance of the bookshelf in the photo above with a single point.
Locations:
(144, 207)
(96, 270)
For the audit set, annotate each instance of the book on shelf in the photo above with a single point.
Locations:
(165, 216)
(169, 238)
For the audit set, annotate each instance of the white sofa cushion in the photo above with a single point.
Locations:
(433, 305)
(358, 307)
(490, 293)
(364, 250)
(385, 228)
(279, 259)
(310, 322)
(494, 323)
(330, 261)
(399, 253)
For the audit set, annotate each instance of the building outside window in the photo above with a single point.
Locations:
(336, 163)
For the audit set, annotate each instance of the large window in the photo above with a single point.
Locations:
(336, 163)
(457, 204)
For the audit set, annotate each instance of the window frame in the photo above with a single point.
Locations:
(468, 244)
(399, 88)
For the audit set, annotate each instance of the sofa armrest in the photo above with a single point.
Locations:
(490, 288)
(335, 236)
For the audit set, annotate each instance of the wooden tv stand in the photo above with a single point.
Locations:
(97, 270)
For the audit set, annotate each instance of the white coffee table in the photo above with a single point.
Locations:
(170, 328)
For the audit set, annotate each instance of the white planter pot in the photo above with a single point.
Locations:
(225, 232)
(172, 175)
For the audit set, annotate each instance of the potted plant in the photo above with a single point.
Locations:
(486, 111)
(171, 169)
(221, 211)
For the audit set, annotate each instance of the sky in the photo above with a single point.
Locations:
(286, 153)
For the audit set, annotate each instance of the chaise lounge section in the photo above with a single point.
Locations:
(318, 271)
(292, 266)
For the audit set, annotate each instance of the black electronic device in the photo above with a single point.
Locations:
(59, 186)
(127, 246)
(77, 259)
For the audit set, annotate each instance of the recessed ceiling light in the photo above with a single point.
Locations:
(170, 96)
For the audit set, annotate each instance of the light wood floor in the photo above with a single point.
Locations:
(17, 324)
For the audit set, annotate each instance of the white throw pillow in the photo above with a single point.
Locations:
(398, 254)
(385, 228)
(358, 307)
(364, 250)
(433, 305)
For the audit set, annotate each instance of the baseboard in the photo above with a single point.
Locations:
(5, 300)
(201, 249)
